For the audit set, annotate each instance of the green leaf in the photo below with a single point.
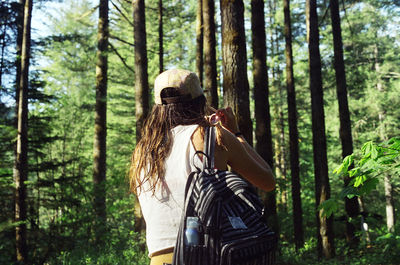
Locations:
(354, 172)
(370, 164)
(366, 148)
(344, 166)
(360, 180)
(384, 237)
(338, 170)
(374, 151)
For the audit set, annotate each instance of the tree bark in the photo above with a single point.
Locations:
(234, 64)
(21, 158)
(389, 201)
(261, 98)
(100, 127)
(293, 132)
(141, 75)
(141, 85)
(322, 189)
(210, 62)
(351, 205)
(20, 32)
(160, 36)
(199, 41)
(260, 76)
(3, 35)
(364, 225)
(390, 210)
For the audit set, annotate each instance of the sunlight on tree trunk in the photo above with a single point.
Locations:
(234, 64)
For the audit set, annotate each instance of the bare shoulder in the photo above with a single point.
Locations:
(220, 154)
(221, 135)
(197, 139)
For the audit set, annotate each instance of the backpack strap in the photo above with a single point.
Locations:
(209, 147)
(208, 163)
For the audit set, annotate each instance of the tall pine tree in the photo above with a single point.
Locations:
(199, 41)
(141, 82)
(322, 187)
(21, 156)
(293, 131)
(351, 205)
(234, 64)
(100, 128)
(210, 63)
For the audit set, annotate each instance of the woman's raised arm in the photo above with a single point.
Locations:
(241, 156)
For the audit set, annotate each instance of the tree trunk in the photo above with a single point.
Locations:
(281, 155)
(20, 32)
(390, 209)
(141, 75)
(351, 205)
(209, 44)
(293, 132)
(261, 96)
(100, 127)
(3, 40)
(141, 84)
(234, 64)
(390, 212)
(364, 225)
(21, 158)
(199, 41)
(322, 189)
(260, 76)
(160, 36)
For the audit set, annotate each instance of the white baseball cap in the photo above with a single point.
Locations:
(185, 81)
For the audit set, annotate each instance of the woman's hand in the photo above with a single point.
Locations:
(228, 119)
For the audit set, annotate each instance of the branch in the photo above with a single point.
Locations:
(121, 58)
(393, 74)
(122, 13)
(121, 40)
(88, 13)
(324, 16)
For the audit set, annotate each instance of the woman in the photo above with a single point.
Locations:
(165, 156)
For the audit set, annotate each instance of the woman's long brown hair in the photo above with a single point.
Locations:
(147, 161)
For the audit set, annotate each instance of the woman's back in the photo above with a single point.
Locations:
(162, 211)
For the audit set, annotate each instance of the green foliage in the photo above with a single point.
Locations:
(122, 244)
(383, 251)
(373, 161)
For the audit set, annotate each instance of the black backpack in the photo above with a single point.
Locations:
(232, 225)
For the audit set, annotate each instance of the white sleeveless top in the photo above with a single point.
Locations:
(162, 211)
